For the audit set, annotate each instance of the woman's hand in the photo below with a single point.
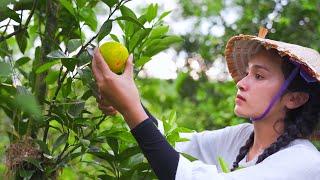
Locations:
(105, 107)
(119, 90)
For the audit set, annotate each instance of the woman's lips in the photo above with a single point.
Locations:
(240, 97)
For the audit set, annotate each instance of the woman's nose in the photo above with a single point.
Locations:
(241, 85)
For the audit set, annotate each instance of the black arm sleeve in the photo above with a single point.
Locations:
(162, 157)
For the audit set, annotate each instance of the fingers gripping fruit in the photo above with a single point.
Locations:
(115, 55)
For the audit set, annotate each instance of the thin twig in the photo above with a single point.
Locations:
(45, 135)
(66, 146)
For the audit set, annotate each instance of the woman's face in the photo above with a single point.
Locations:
(256, 90)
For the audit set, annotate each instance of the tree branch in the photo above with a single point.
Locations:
(49, 34)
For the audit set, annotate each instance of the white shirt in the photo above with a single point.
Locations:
(299, 161)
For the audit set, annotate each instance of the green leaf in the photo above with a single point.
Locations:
(35, 162)
(25, 174)
(73, 44)
(22, 61)
(43, 146)
(21, 39)
(84, 58)
(84, 142)
(103, 155)
(170, 40)
(164, 14)
(76, 107)
(66, 88)
(105, 30)
(21, 126)
(86, 95)
(110, 3)
(132, 25)
(155, 50)
(69, 63)
(151, 12)
(129, 152)
(125, 11)
(52, 77)
(57, 54)
(89, 17)
(9, 13)
(184, 130)
(81, 3)
(113, 143)
(172, 118)
(157, 45)
(68, 5)
(106, 176)
(142, 19)
(114, 37)
(129, 30)
(137, 38)
(122, 135)
(224, 166)
(46, 66)
(62, 139)
(74, 155)
(5, 69)
(159, 32)
(189, 157)
(4, 50)
(121, 24)
(28, 104)
(128, 18)
(240, 167)
(173, 137)
(143, 60)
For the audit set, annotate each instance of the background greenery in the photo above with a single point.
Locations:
(47, 94)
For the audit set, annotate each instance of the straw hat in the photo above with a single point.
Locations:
(240, 48)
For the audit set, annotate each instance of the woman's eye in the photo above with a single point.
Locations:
(258, 76)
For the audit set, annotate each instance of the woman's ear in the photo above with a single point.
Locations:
(296, 99)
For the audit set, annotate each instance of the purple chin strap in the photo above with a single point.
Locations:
(279, 94)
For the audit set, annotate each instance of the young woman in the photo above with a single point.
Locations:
(278, 90)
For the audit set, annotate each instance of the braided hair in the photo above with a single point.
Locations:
(298, 123)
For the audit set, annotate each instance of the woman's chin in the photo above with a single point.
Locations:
(240, 113)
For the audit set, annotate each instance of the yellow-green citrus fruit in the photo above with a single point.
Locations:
(115, 55)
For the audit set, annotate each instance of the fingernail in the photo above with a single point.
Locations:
(131, 57)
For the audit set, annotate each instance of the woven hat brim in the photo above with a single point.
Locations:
(240, 48)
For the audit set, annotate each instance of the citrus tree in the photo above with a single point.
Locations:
(48, 94)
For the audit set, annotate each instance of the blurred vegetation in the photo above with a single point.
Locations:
(47, 94)
(292, 21)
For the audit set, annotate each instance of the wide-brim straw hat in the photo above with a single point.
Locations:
(240, 48)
